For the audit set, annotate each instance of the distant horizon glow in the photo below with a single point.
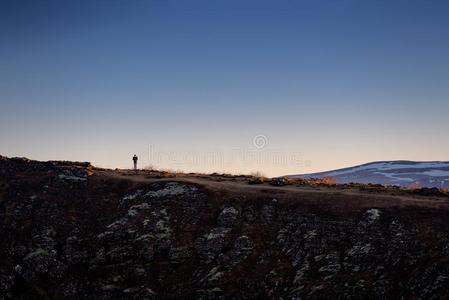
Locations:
(328, 84)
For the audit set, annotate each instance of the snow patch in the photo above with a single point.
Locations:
(436, 173)
(395, 176)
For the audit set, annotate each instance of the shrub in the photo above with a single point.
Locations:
(257, 178)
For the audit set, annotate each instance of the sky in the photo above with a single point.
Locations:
(280, 87)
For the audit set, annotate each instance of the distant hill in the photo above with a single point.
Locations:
(401, 173)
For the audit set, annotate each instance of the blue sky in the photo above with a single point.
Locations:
(332, 83)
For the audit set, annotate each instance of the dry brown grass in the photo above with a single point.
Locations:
(326, 181)
(259, 175)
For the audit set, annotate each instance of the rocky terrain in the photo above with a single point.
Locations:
(70, 231)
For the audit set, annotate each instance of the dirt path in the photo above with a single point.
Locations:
(292, 192)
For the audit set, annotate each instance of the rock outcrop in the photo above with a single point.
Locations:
(69, 233)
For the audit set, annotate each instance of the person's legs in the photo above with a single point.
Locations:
(135, 165)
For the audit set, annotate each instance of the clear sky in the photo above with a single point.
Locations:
(327, 83)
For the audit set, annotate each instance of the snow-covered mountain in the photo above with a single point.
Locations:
(402, 173)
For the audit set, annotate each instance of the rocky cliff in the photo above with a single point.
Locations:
(69, 231)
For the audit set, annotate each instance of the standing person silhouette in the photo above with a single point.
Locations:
(135, 162)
